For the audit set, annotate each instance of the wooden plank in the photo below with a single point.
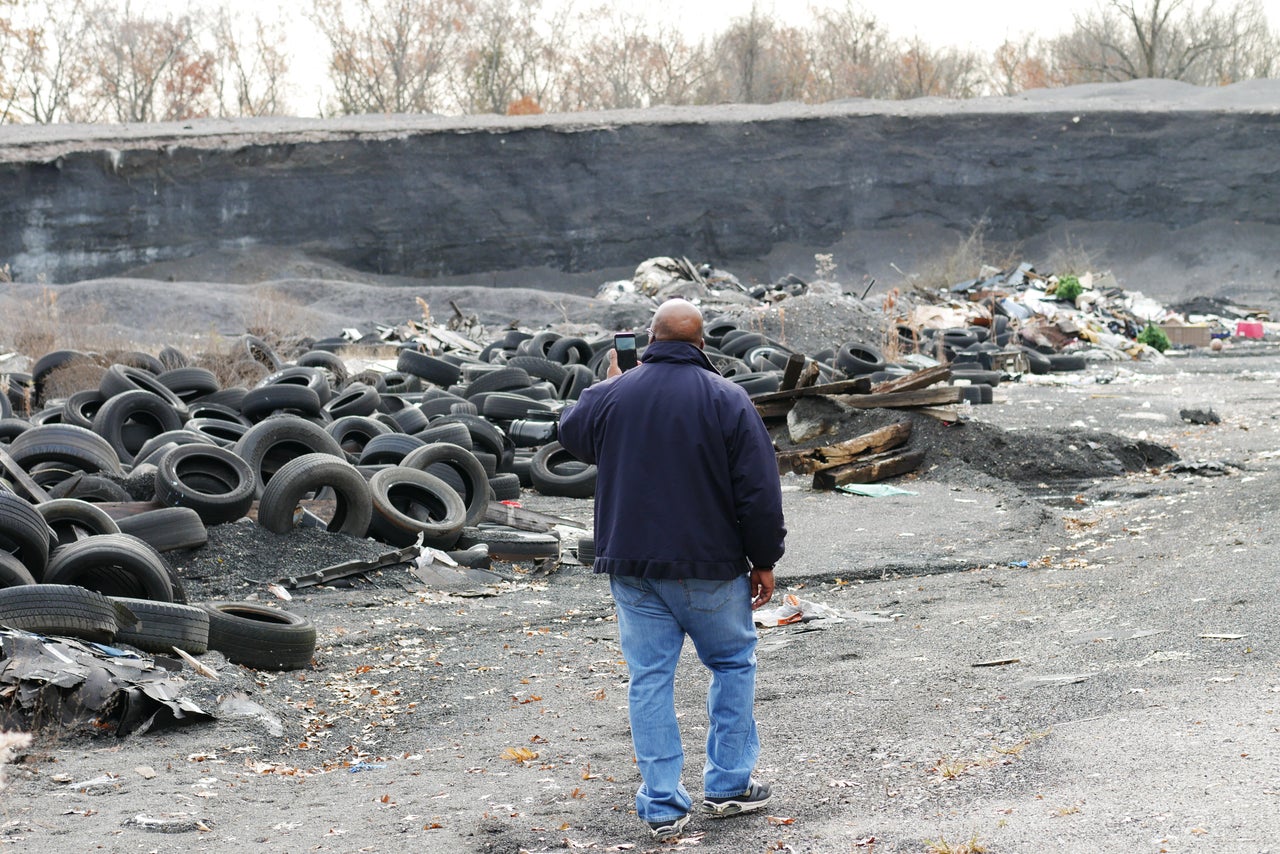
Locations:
(915, 380)
(791, 373)
(526, 520)
(872, 470)
(857, 385)
(809, 460)
(945, 414)
(901, 399)
(776, 409)
(809, 376)
(34, 491)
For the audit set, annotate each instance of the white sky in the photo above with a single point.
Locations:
(977, 24)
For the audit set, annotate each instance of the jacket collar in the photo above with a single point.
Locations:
(677, 353)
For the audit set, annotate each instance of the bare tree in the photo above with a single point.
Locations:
(757, 61)
(514, 53)
(252, 64)
(390, 56)
(1125, 40)
(928, 72)
(623, 61)
(145, 69)
(851, 56)
(1017, 66)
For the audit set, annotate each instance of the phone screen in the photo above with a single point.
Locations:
(625, 344)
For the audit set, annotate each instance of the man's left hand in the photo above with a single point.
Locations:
(761, 587)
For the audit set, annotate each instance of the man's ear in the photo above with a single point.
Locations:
(702, 343)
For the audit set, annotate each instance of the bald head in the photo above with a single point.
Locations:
(677, 320)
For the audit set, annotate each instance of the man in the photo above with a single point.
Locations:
(688, 525)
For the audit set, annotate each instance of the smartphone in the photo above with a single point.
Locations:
(625, 344)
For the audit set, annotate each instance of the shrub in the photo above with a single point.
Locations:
(1154, 336)
(1068, 289)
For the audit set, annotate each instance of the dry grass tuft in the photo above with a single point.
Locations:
(971, 253)
(942, 846)
(278, 319)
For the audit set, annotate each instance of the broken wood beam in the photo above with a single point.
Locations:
(901, 399)
(34, 491)
(809, 460)
(915, 380)
(857, 385)
(870, 470)
(791, 373)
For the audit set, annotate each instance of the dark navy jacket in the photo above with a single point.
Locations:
(687, 483)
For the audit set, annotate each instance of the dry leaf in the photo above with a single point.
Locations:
(776, 820)
(519, 754)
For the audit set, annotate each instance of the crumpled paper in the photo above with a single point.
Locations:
(795, 610)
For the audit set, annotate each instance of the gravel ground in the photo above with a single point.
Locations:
(1118, 722)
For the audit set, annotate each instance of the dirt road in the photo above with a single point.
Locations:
(1126, 703)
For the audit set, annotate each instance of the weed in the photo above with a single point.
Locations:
(1017, 748)
(942, 846)
(950, 769)
(891, 342)
(276, 317)
(824, 266)
(966, 261)
(1071, 258)
(1065, 811)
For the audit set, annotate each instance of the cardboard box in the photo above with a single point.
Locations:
(1184, 335)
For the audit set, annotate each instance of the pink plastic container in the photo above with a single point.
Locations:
(1248, 329)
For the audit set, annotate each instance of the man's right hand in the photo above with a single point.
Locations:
(614, 370)
(761, 587)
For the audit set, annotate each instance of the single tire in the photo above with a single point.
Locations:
(260, 637)
(550, 479)
(507, 406)
(93, 488)
(503, 379)
(475, 492)
(509, 544)
(212, 481)
(309, 474)
(445, 431)
(334, 368)
(121, 378)
(24, 533)
(167, 529)
(67, 516)
(408, 503)
(355, 399)
(63, 443)
(172, 358)
(354, 432)
(153, 414)
(58, 609)
(1063, 362)
(505, 486)
(81, 407)
(303, 377)
(570, 350)
(114, 565)
(13, 573)
(540, 368)
(433, 370)
(269, 444)
(267, 400)
(223, 433)
(577, 378)
(856, 359)
(259, 351)
(189, 383)
(389, 449)
(157, 446)
(163, 626)
(587, 550)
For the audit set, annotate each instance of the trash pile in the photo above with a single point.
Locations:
(110, 461)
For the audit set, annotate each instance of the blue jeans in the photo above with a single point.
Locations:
(654, 615)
